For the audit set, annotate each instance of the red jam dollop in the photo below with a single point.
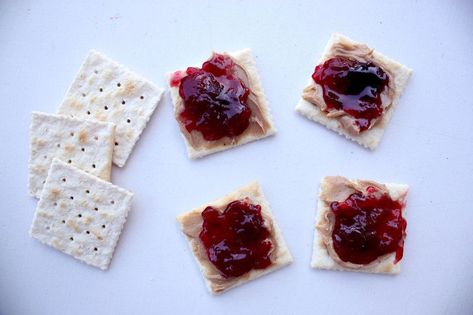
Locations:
(352, 86)
(236, 240)
(215, 99)
(367, 226)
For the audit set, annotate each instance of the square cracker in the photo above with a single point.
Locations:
(321, 258)
(107, 91)
(369, 138)
(85, 144)
(80, 214)
(245, 59)
(191, 224)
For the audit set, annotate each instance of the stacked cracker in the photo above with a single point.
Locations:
(100, 120)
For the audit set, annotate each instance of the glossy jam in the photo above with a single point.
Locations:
(236, 240)
(352, 86)
(368, 225)
(215, 99)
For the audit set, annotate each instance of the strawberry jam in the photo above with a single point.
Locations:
(236, 240)
(214, 98)
(352, 86)
(367, 226)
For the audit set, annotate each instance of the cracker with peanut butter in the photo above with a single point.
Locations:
(260, 124)
(369, 240)
(80, 215)
(82, 143)
(105, 90)
(192, 225)
(356, 119)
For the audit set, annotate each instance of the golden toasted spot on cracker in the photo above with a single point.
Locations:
(97, 235)
(76, 105)
(44, 214)
(69, 147)
(56, 243)
(39, 142)
(129, 134)
(129, 88)
(101, 117)
(83, 136)
(72, 224)
(54, 193)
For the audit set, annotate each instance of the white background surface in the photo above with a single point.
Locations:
(427, 145)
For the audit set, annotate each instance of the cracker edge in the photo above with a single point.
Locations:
(251, 189)
(247, 61)
(128, 194)
(320, 256)
(370, 138)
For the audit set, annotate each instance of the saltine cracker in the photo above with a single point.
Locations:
(80, 214)
(85, 144)
(107, 91)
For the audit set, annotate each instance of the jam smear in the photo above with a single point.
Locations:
(352, 86)
(176, 78)
(215, 99)
(367, 226)
(236, 240)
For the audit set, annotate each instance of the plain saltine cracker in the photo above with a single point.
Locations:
(80, 214)
(107, 91)
(85, 144)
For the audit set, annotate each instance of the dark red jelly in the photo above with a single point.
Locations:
(352, 86)
(367, 226)
(236, 239)
(215, 99)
